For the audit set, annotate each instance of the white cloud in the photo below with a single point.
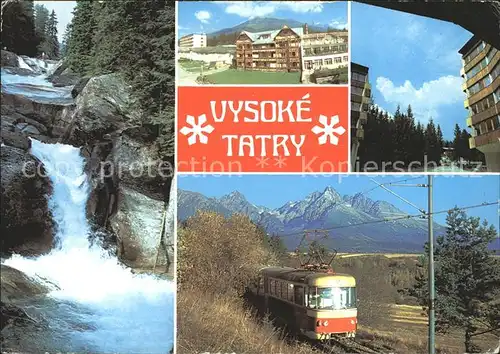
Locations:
(203, 16)
(337, 24)
(249, 9)
(426, 100)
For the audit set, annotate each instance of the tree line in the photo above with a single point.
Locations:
(402, 138)
(135, 39)
(29, 29)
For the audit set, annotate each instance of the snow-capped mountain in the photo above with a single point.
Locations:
(324, 210)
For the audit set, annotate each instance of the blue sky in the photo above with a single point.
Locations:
(211, 16)
(275, 190)
(412, 60)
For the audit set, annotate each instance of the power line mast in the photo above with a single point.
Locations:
(316, 255)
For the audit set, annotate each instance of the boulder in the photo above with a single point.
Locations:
(62, 75)
(15, 285)
(27, 226)
(103, 107)
(9, 59)
(79, 86)
(53, 120)
(136, 158)
(138, 226)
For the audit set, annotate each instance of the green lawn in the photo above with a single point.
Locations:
(232, 76)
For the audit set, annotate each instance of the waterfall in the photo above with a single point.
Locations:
(121, 312)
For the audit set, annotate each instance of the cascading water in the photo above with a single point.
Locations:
(96, 304)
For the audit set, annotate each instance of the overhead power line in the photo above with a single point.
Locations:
(396, 218)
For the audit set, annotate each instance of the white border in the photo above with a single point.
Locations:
(349, 53)
(174, 186)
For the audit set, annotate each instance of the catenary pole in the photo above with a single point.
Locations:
(432, 345)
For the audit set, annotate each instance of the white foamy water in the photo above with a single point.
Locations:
(23, 64)
(121, 311)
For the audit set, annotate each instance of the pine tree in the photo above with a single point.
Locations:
(65, 41)
(51, 43)
(83, 26)
(467, 278)
(457, 146)
(41, 21)
(18, 29)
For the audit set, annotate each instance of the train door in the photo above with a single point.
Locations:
(300, 310)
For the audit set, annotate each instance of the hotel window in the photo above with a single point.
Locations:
(477, 68)
(359, 77)
(346, 58)
(338, 60)
(478, 49)
(357, 91)
(497, 95)
(496, 122)
(308, 64)
(496, 71)
(491, 54)
(328, 61)
(355, 106)
(318, 62)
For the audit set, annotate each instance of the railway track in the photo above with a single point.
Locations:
(339, 346)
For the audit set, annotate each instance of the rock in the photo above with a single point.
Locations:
(63, 76)
(138, 224)
(15, 138)
(11, 117)
(103, 107)
(49, 119)
(27, 226)
(80, 85)
(15, 285)
(137, 158)
(9, 59)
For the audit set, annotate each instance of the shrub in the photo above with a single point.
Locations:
(220, 255)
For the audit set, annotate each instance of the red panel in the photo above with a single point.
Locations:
(337, 325)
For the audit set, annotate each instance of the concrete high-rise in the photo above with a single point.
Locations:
(481, 69)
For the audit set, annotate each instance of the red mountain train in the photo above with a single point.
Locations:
(318, 304)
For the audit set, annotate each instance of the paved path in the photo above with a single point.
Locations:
(188, 78)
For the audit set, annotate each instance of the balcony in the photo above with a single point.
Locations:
(466, 103)
(485, 139)
(462, 72)
(464, 86)
(363, 118)
(488, 113)
(469, 122)
(472, 143)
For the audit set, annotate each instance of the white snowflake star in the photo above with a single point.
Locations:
(197, 130)
(328, 130)
(280, 162)
(262, 161)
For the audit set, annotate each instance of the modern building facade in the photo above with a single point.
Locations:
(193, 41)
(481, 69)
(320, 51)
(360, 105)
(277, 50)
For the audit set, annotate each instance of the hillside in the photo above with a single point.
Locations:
(258, 24)
(324, 210)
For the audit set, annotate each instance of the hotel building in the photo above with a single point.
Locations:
(480, 72)
(360, 105)
(320, 51)
(193, 41)
(277, 50)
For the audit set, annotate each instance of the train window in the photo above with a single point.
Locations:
(261, 285)
(272, 284)
(290, 292)
(336, 298)
(299, 295)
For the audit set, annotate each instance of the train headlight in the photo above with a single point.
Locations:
(325, 323)
(352, 321)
